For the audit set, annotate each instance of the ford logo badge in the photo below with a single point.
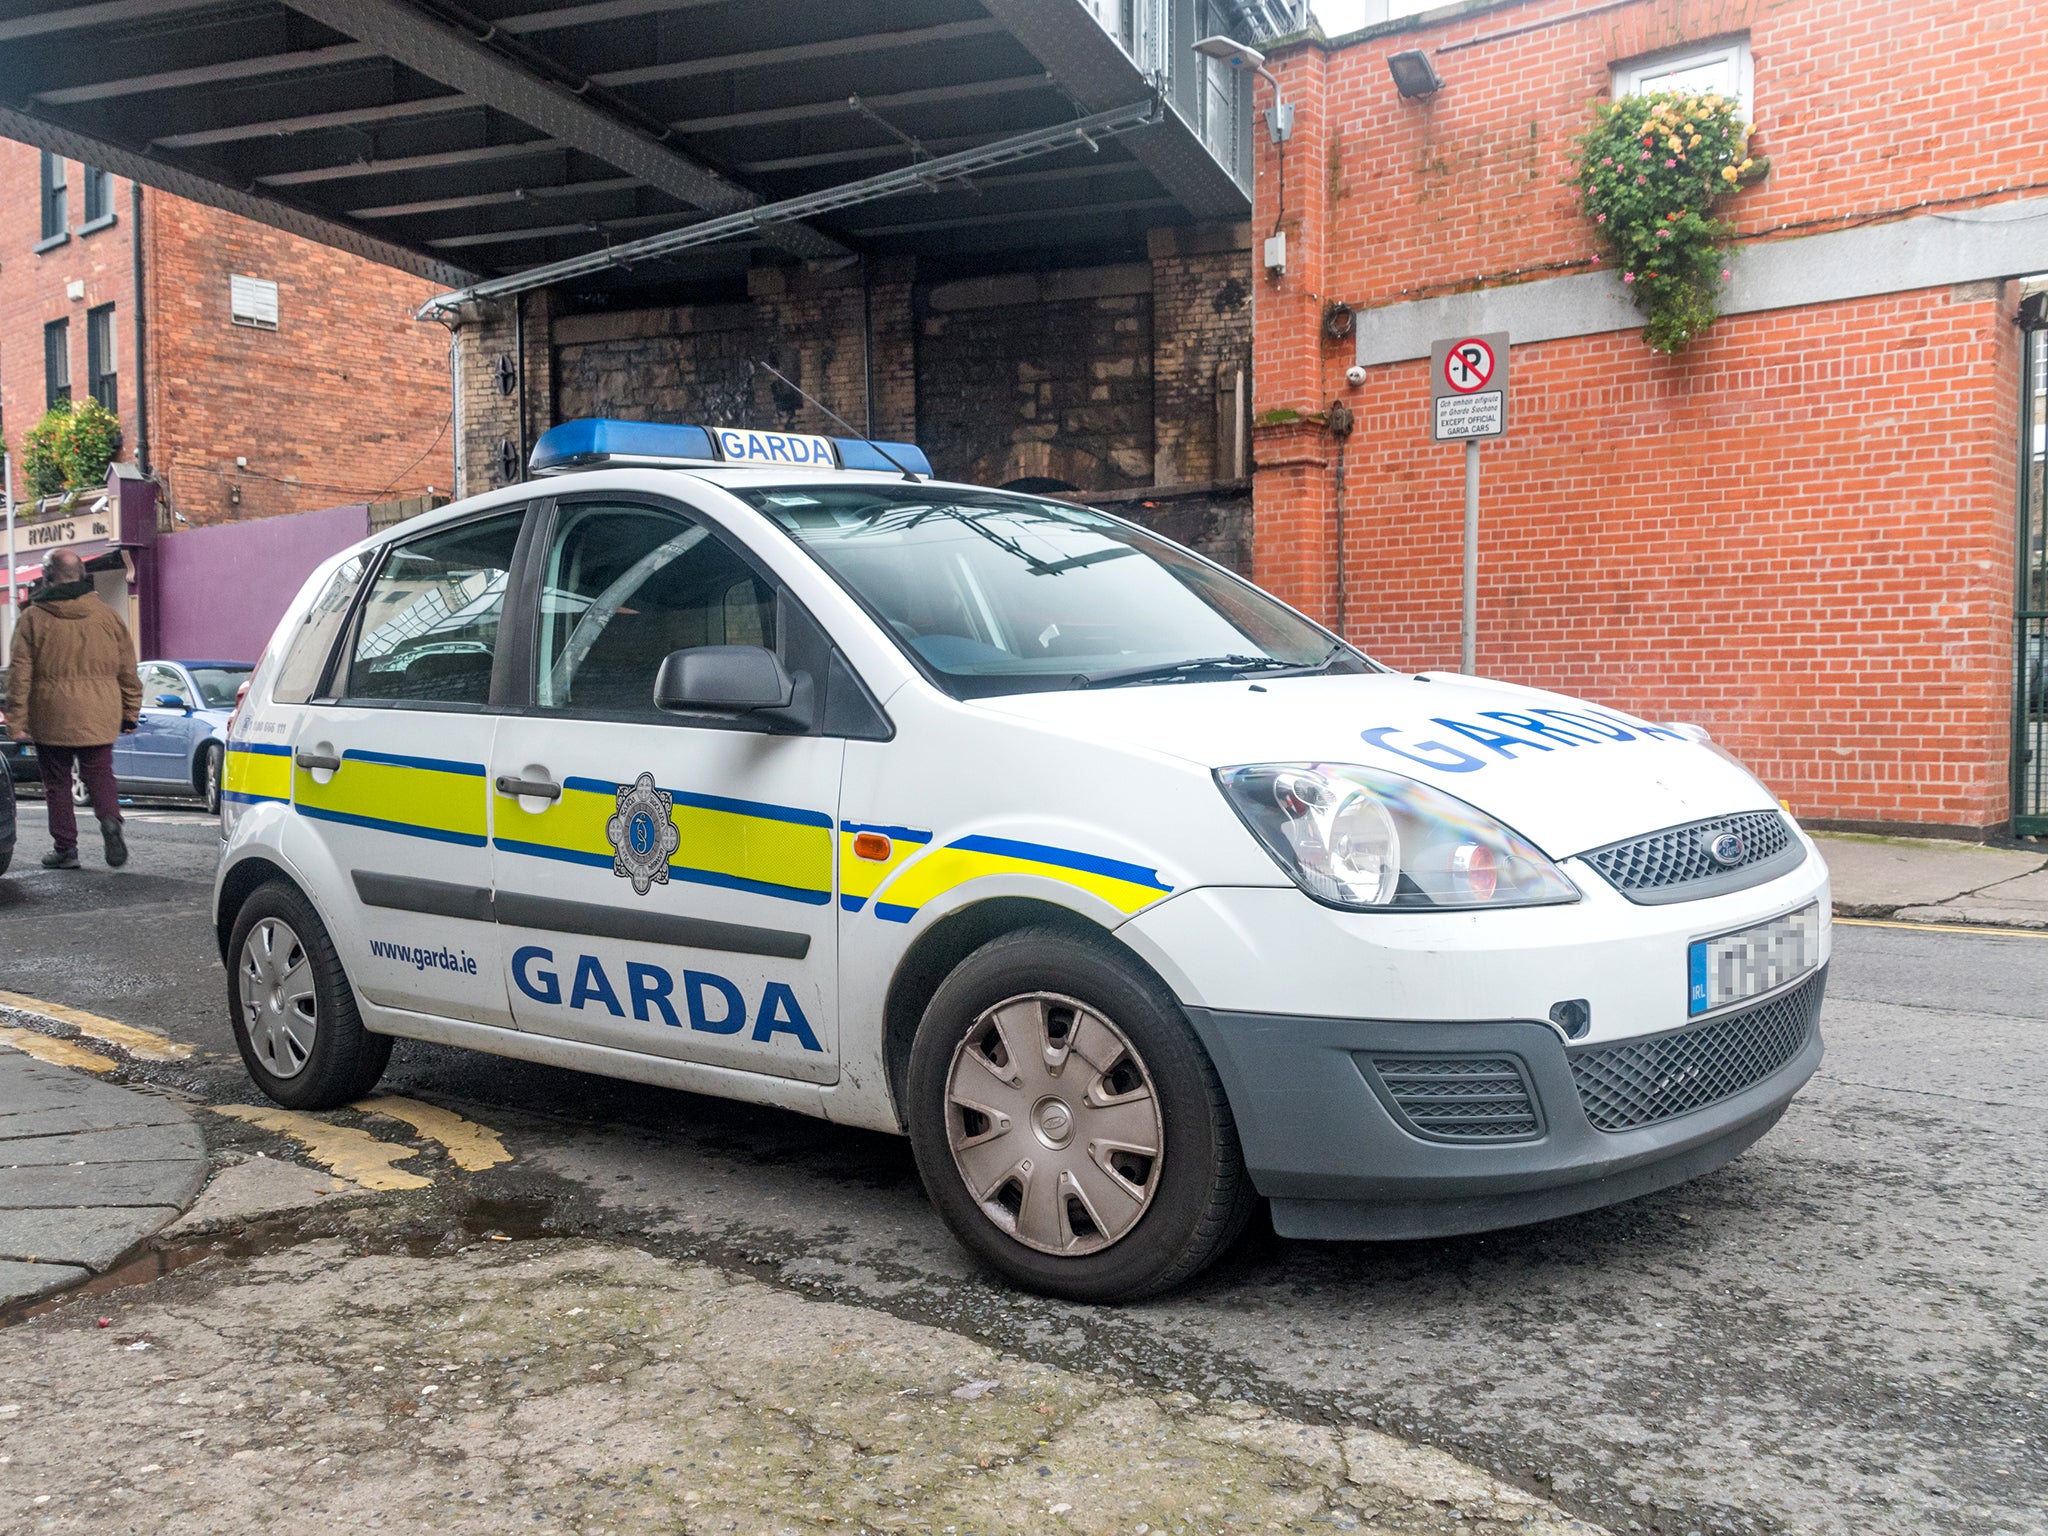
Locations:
(1727, 849)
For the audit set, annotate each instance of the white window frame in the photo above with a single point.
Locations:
(1640, 76)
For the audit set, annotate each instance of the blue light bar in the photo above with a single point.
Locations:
(859, 453)
(594, 440)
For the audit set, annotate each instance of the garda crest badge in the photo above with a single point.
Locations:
(641, 834)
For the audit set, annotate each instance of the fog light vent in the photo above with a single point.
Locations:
(1460, 1098)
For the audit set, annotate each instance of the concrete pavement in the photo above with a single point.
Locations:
(87, 1171)
(1931, 880)
(571, 1387)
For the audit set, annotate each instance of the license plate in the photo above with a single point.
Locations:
(1751, 961)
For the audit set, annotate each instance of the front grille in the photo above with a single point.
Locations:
(1460, 1098)
(1643, 1082)
(1674, 864)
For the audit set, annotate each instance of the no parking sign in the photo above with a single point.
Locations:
(1468, 387)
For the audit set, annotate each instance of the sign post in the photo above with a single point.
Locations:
(13, 596)
(1468, 400)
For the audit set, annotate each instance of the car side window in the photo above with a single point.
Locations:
(429, 626)
(306, 653)
(622, 587)
(160, 682)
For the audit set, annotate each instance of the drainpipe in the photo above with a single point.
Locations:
(460, 455)
(1340, 422)
(519, 353)
(141, 333)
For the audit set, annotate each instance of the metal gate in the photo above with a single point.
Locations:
(2030, 648)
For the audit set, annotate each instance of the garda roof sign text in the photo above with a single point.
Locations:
(742, 445)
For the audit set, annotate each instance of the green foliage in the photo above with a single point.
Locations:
(42, 451)
(90, 446)
(69, 448)
(1650, 170)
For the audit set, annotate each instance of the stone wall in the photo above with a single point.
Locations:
(1103, 379)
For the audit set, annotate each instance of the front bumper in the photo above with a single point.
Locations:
(1365, 1128)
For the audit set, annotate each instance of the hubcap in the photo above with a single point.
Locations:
(278, 1003)
(1054, 1124)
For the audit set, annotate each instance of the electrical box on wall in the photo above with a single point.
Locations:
(1276, 254)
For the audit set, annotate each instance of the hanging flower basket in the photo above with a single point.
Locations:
(1650, 171)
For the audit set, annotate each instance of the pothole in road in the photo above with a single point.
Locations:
(476, 1220)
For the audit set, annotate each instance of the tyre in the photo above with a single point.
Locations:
(294, 1011)
(6, 855)
(79, 794)
(1067, 1124)
(209, 777)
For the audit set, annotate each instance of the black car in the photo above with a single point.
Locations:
(6, 822)
(19, 756)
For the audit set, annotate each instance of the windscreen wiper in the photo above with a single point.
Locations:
(1206, 666)
(1179, 671)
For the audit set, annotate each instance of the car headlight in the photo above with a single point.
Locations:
(1360, 839)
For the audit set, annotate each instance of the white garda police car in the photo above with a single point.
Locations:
(766, 766)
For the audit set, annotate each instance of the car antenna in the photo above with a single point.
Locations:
(908, 473)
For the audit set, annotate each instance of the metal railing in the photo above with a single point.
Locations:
(1214, 99)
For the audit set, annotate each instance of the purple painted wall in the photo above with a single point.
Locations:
(221, 590)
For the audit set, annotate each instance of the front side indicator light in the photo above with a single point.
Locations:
(1356, 838)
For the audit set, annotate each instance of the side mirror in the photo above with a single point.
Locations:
(170, 701)
(735, 680)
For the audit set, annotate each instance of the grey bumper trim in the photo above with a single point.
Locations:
(1322, 1145)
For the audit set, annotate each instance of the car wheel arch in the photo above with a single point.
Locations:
(935, 953)
(237, 885)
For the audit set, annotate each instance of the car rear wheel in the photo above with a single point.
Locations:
(209, 777)
(80, 795)
(294, 1011)
(1067, 1124)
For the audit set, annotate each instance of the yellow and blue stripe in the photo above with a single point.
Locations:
(1125, 886)
(441, 800)
(738, 845)
(256, 772)
(860, 878)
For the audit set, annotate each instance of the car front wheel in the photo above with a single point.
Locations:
(1068, 1126)
(294, 1011)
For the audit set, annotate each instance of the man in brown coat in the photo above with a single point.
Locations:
(71, 690)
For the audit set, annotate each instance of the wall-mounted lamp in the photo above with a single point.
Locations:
(1280, 116)
(1414, 76)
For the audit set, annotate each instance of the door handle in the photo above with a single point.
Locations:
(540, 789)
(318, 760)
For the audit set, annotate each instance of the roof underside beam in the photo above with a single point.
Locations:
(215, 192)
(458, 61)
(1094, 129)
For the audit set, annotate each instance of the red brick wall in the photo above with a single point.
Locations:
(342, 402)
(1799, 532)
(32, 293)
(347, 400)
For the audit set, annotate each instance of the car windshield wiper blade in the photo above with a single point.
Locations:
(1174, 671)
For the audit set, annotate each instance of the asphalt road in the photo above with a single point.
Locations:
(1845, 1330)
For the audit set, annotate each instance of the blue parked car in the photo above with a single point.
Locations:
(178, 739)
(181, 733)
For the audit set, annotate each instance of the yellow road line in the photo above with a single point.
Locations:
(1996, 933)
(470, 1146)
(341, 1149)
(145, 1044)
(58, 1053)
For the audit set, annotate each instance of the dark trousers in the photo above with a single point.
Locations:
(96, 768)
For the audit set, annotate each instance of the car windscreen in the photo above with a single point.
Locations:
(998, 593)
(217, 685)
